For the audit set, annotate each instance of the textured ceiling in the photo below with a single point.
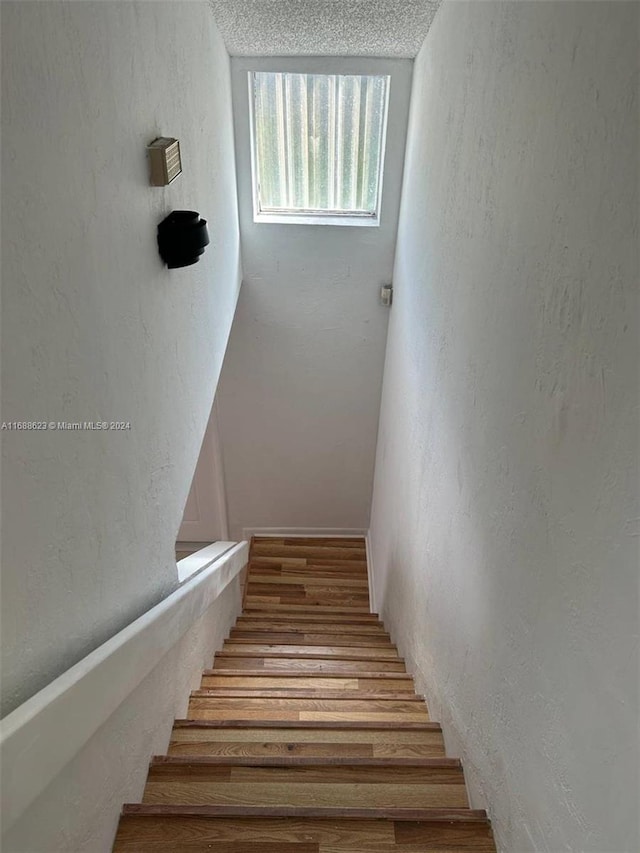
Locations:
(324, 27)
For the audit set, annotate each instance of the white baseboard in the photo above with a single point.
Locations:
(291, 532)
(373, 601)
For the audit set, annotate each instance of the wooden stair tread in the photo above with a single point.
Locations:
(327, 552)
(318, 595)
(458, 815)
(305, 761)
(203, 709)
(306, 617)
(204, 699)
(200, 747)
(289, 626)
(256, 606)
(426, 725)
(315, 579)
(163, 831)
(314, 540)
(302, 664)
(325, 634)
(295, 693)
(260, 673)
(298, 639)
(310, 771)
(340, 686)
(320, 575)
(288, 789)
(317, 652)
(347, 568)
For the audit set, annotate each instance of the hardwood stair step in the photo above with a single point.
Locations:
(308, 551)
(324, 593)
(326, 573)
(345, 628)
(322, 651)
(284, 602)
(203, 707)
(425, 814)
(438, 785)
(339, 541)
(295, 638)
(152, 829)
(412, 725)
(330, 617)
(296, 693)
(366, 740)
(348, 568)
(303, 761)
(257, 604)
(312, 622)
(199, 747)
(311, 579)
(305, 664)
(370, 681)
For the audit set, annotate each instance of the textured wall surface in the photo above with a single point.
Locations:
(94, 327)
(324, 27)
(78, 813)
(300, 388)
(505, 516)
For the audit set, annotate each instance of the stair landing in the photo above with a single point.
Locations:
(306, 735)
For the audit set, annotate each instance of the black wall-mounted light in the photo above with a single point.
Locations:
(182, 238)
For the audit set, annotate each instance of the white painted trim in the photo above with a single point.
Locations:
(291, 532)
(266, 218)
(218, 476)
(41, 736)
(202, 559)
(373, 601)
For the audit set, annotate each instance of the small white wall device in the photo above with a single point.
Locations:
(386, 295)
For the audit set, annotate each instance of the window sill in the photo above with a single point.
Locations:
(311, 219)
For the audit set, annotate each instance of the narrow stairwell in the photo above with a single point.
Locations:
(307, 735)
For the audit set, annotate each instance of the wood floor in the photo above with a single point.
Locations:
(306, 736)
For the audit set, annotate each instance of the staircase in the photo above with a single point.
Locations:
(307, 735)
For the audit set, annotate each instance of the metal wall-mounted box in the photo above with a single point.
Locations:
(164, 161)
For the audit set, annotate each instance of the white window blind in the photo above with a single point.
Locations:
(318, 143)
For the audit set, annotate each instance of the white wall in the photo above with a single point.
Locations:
(300, 390)
(505, 516)
(94, 326)
(79, 811)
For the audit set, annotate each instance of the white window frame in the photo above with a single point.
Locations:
(298, 217)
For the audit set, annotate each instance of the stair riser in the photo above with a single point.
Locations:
(292, 638)
(271, 649)
(348, 568)
(366, 685)
(300, 605)
(305, 665)
(271, 578)
(306, 750)
(308, 552)
(361, 629)
(378, 739)
(141, 834)
(282, 794)
(324, 616)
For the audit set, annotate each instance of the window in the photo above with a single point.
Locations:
(318, 147)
